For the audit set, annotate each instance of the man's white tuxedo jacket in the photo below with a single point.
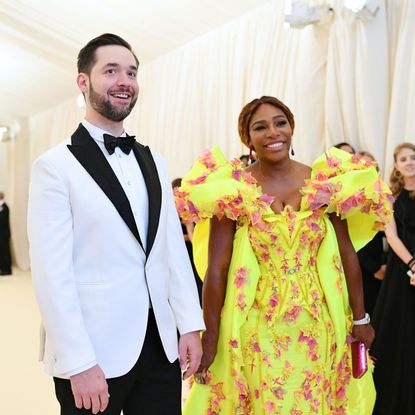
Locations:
(91, 275)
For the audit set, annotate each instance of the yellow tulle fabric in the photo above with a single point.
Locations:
(283, 345)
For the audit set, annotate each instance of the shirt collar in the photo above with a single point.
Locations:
(97, 133)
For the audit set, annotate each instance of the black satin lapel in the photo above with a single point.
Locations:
(149, 169)
(90, 156)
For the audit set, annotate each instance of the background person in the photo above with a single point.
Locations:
(5, 256)
(394, 316)
(345, 147)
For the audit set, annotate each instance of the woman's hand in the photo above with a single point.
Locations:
(364, 333)
(380, 273)
(209, 346)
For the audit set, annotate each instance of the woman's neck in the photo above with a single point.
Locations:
(409, 183)
(271, 169)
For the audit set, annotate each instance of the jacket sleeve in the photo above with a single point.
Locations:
(183, 295)
(50, 231)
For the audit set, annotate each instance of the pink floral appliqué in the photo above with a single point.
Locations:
(292, 315)
(208, 160)
(241, 277)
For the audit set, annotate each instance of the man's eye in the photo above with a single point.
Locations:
(132, 74)
(110, 71)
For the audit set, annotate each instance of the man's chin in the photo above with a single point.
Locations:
(117, 116)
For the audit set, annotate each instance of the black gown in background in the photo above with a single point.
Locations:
(189, 247)
(5, 256)
(371, 258)
(394, 322)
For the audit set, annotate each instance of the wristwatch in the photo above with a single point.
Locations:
(362, 321)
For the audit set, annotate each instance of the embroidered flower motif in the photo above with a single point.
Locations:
(199, 180)
(236, 174)
(208, 160)
(233, 343)
(241, 301)
(241, 277)
(312, 344)
(270, 407)
(332, 161)
(292, 314)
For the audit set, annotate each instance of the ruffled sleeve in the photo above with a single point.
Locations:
(216, 187)
(351, 187)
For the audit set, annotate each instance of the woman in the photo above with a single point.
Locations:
(275, 298)
(394, 316)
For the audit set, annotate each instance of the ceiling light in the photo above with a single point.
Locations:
(299, 14)
(3, 134)
(9, 130)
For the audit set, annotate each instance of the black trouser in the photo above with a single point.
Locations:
(151, 387)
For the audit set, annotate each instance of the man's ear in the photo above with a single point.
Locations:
(82, 81)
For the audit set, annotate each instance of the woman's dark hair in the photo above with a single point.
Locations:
(177, 182)
(340, 145)
(249, 110)
(86, 56)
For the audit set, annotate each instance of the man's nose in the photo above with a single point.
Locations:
(123, 79)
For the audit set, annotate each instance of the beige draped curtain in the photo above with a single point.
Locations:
(344, 81)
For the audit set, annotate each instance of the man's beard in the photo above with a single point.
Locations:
(104, 107)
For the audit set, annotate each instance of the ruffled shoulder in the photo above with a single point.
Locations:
(351, 187)
(216, 187)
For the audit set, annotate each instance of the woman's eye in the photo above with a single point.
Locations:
(259, 127)
(281, 123)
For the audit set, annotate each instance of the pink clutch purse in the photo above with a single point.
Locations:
(359, 359)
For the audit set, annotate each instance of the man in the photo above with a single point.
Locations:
(5, 257)
(110, 268)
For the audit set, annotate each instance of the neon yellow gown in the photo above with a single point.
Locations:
(283, 345)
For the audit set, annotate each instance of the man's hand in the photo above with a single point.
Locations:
(90, 389)
(190, 353)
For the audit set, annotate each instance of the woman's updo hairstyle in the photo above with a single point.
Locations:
(249, 110)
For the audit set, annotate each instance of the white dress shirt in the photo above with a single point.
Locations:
(128, 172)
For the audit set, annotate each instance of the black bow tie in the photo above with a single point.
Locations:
(124, 143)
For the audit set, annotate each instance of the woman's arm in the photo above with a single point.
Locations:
(214, 285)
(350, 261)
(398, 246)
